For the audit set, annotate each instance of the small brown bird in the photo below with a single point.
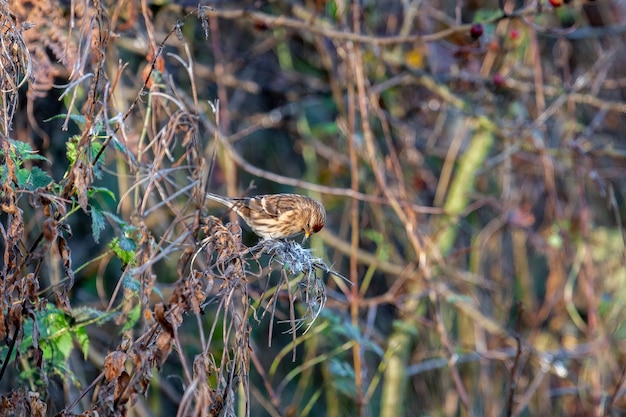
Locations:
(277, 216)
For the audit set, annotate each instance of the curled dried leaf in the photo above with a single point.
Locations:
(114, 365)
(122, 390)
(164, 347)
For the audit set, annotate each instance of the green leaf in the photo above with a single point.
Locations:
(72, 151)
(22, 151)
(96, 147)
(487, 14)
(115, 219)
(33, 178)
(128, 244)
(97, 224)
(56, 341)
(27, 178)
(122, 148)
(101, 190)
(342, 377)
(131, 284)
(83, 340)
(133, 318)
(57, 332)
(121, 250)
(158, 292)
(79, 119)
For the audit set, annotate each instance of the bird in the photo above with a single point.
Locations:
(277, 216)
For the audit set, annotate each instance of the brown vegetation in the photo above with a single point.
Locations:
(469, 157)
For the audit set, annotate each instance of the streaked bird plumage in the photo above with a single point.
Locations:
(277, 216)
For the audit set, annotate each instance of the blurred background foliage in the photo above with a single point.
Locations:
(468, 154)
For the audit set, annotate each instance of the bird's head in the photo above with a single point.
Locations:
(317, 219)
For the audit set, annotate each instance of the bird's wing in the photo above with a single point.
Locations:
(277, 204)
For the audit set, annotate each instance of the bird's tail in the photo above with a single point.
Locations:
(223, 200)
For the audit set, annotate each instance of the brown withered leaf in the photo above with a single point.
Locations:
(175, 316)
(45, 206)
(164, 347)
(49, 230)
(143, 384)
(147, 287)
(159, 314)
(138, 356)
(217, 406)
(15, 315)
(81, 181)
(22, 403)
(9, 208)
(114, 364)
(38, 408)
(14, 236)
(62, 300)
(31, 287)
(51, 49)
(122, 390)
(66, 256)
(148, 316)
(6, 405)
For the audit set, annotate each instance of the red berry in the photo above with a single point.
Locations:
(514, 34)
(556, 3)
(260, 25)
(498, 80)
(476, 31)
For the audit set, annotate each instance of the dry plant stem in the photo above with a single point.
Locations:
(319, 359)
(522, 401)
(580, 98)
(138, 98)
(267, 406)
(311, 353)
(373, 152)
(274, 398)
(354, 65)
(456, 202)
(396, 379)
(391, 405)
(292, 314)
(540, 99)
(549, 91)
(588, 278)
(181, 355)
(619, 387)
(445, 340)
(147, 19)
(491, 55)
(95, 382)
(449, 163)
(356, 37)
(280, 179)
(286, 349)
(458, 195)
(219, 72)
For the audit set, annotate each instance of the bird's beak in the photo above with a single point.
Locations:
(307, 233)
